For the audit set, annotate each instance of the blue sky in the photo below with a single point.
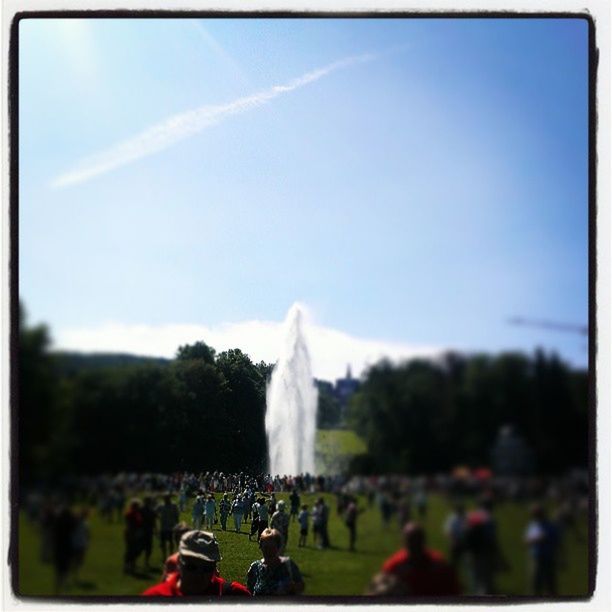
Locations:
(426, 184)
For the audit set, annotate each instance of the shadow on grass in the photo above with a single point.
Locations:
(340, 549)
(86, 585)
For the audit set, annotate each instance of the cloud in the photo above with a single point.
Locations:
(178, 127)
(330, 350)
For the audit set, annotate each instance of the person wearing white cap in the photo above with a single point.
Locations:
(197, 571)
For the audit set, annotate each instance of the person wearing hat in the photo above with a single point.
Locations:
(274, 575)
(197, 574)
(422, 571)
(280, 521)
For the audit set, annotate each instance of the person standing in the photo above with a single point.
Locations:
(197, 573)
(224, 510)
(386, 508)
(272, 504)
(303, 521)
(80, 541)
(350, 520)
(254, 521)
(197, 512)
(210, 509)
(482, 549)
(119, 501)
(63, 529)
(455, 529)
(317, 519)
(182, 500)
(324, 523)
(273, 574)
(246, 498)
(262, 513)
(280, 522)
(237, 512)
(132, 535)
(294, 500)
(168, 517)
(149, 518)
(420, 501)
(542, 538)
(419, 570)
(404, 510)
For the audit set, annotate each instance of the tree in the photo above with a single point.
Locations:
(424, 416)
(37, 397)
(199, 350)
(329, 411)
(246, 408)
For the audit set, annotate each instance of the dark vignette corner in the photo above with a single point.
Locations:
(592, 265)
(13, 108)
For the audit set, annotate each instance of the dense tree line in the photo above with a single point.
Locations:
(201, 410)
(204, 410)
(423, 416)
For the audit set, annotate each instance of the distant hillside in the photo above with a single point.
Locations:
(70, 363)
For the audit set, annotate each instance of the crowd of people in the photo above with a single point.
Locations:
(260, 510)
(210, 500)
(65, 537)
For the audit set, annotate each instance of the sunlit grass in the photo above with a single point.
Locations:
(327, 572)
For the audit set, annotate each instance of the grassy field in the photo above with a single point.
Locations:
(335, 448)
(327, 572)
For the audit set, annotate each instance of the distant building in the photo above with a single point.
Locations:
(345, 388)
(341, 391)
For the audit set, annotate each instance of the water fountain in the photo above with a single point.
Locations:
(291, 404)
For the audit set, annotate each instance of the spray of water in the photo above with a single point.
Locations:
(291, 404)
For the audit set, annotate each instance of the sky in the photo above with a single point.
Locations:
(413, 183)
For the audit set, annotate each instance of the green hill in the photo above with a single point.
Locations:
(335, 448)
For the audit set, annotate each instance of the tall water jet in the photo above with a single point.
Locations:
(291, 404)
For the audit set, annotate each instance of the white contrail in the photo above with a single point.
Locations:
(166, 133)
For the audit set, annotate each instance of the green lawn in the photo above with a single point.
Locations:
(329, 572)
(335, 448)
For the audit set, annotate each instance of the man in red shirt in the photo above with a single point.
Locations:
(197, 571)
(419, 570)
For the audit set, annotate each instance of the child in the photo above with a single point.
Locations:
(303, 521)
